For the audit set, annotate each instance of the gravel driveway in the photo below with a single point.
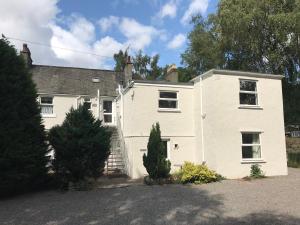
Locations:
(268, 201)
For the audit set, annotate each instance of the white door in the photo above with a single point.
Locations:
(108, 112)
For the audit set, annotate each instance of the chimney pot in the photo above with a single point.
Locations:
(172, 74)
(26, 54)
(128, 71)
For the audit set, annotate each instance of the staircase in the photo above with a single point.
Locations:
(115, 164)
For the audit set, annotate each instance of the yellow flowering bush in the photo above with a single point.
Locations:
(198, 174)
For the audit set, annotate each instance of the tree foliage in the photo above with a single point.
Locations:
(144, 66)
(81, 146)
(155, 161)
(120, 60)
(250, 35)
(23, 150)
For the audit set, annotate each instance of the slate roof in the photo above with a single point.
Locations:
(75, 81)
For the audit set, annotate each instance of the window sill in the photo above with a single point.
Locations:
(48, 115)
(250, 107)
(246, 161)
(169, 110)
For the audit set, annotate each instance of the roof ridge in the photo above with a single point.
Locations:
(71, 67)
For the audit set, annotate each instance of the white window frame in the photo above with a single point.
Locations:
(113, 113)
(47, 104)
(250, 160)
(248, 92)
(169, 99)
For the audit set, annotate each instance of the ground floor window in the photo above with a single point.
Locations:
(251, 148)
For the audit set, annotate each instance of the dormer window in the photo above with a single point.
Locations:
(248, 92)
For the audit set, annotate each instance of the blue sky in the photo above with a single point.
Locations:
(101, 28)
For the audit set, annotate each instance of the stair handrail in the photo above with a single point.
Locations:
(123, 151)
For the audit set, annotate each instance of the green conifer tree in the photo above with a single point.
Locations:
(23, 150)
(155, 161)
(81, 146)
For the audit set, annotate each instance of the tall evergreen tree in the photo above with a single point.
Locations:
(155, 161)
(23, 150)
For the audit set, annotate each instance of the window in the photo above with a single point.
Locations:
(87, 103)
(107, 111)
(167, 100)
(46, 104)
(251, 146)
(248, 92)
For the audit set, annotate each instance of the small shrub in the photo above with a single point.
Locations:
(155, 161)
(256, 171)
(197, 174)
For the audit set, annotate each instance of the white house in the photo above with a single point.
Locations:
(226, 119)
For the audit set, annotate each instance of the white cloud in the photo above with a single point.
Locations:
(195, 7)
(29, 20)
(38, 21)
(139, 36)
(169, 9)
(106, 23)
(177, 41)
(77, 37)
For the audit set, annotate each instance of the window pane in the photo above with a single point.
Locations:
(246, 85)
(168, 94)
(46, 109)
(107, 106)
(107, 118)
(167, 104)
(248, 99)
(247, 152)
(250, 138)
(250, 152)
(46, 100)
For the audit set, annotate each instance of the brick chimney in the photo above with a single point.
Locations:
(26, 54)
(128, 71)
(172, 74)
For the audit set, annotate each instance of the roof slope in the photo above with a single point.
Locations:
(74, 81)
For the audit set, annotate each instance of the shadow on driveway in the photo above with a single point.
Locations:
(172, 204)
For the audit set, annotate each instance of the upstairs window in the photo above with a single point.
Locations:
(251, 146)
(87, 103)
(46, 104)
(168, 100)
(248, 92)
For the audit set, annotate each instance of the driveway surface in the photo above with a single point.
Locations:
(270, 201)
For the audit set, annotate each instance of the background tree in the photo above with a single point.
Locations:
(23, 150)
(140, 64)
(250, 35)
(155, 161)
(120, 60)
(81, 146)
